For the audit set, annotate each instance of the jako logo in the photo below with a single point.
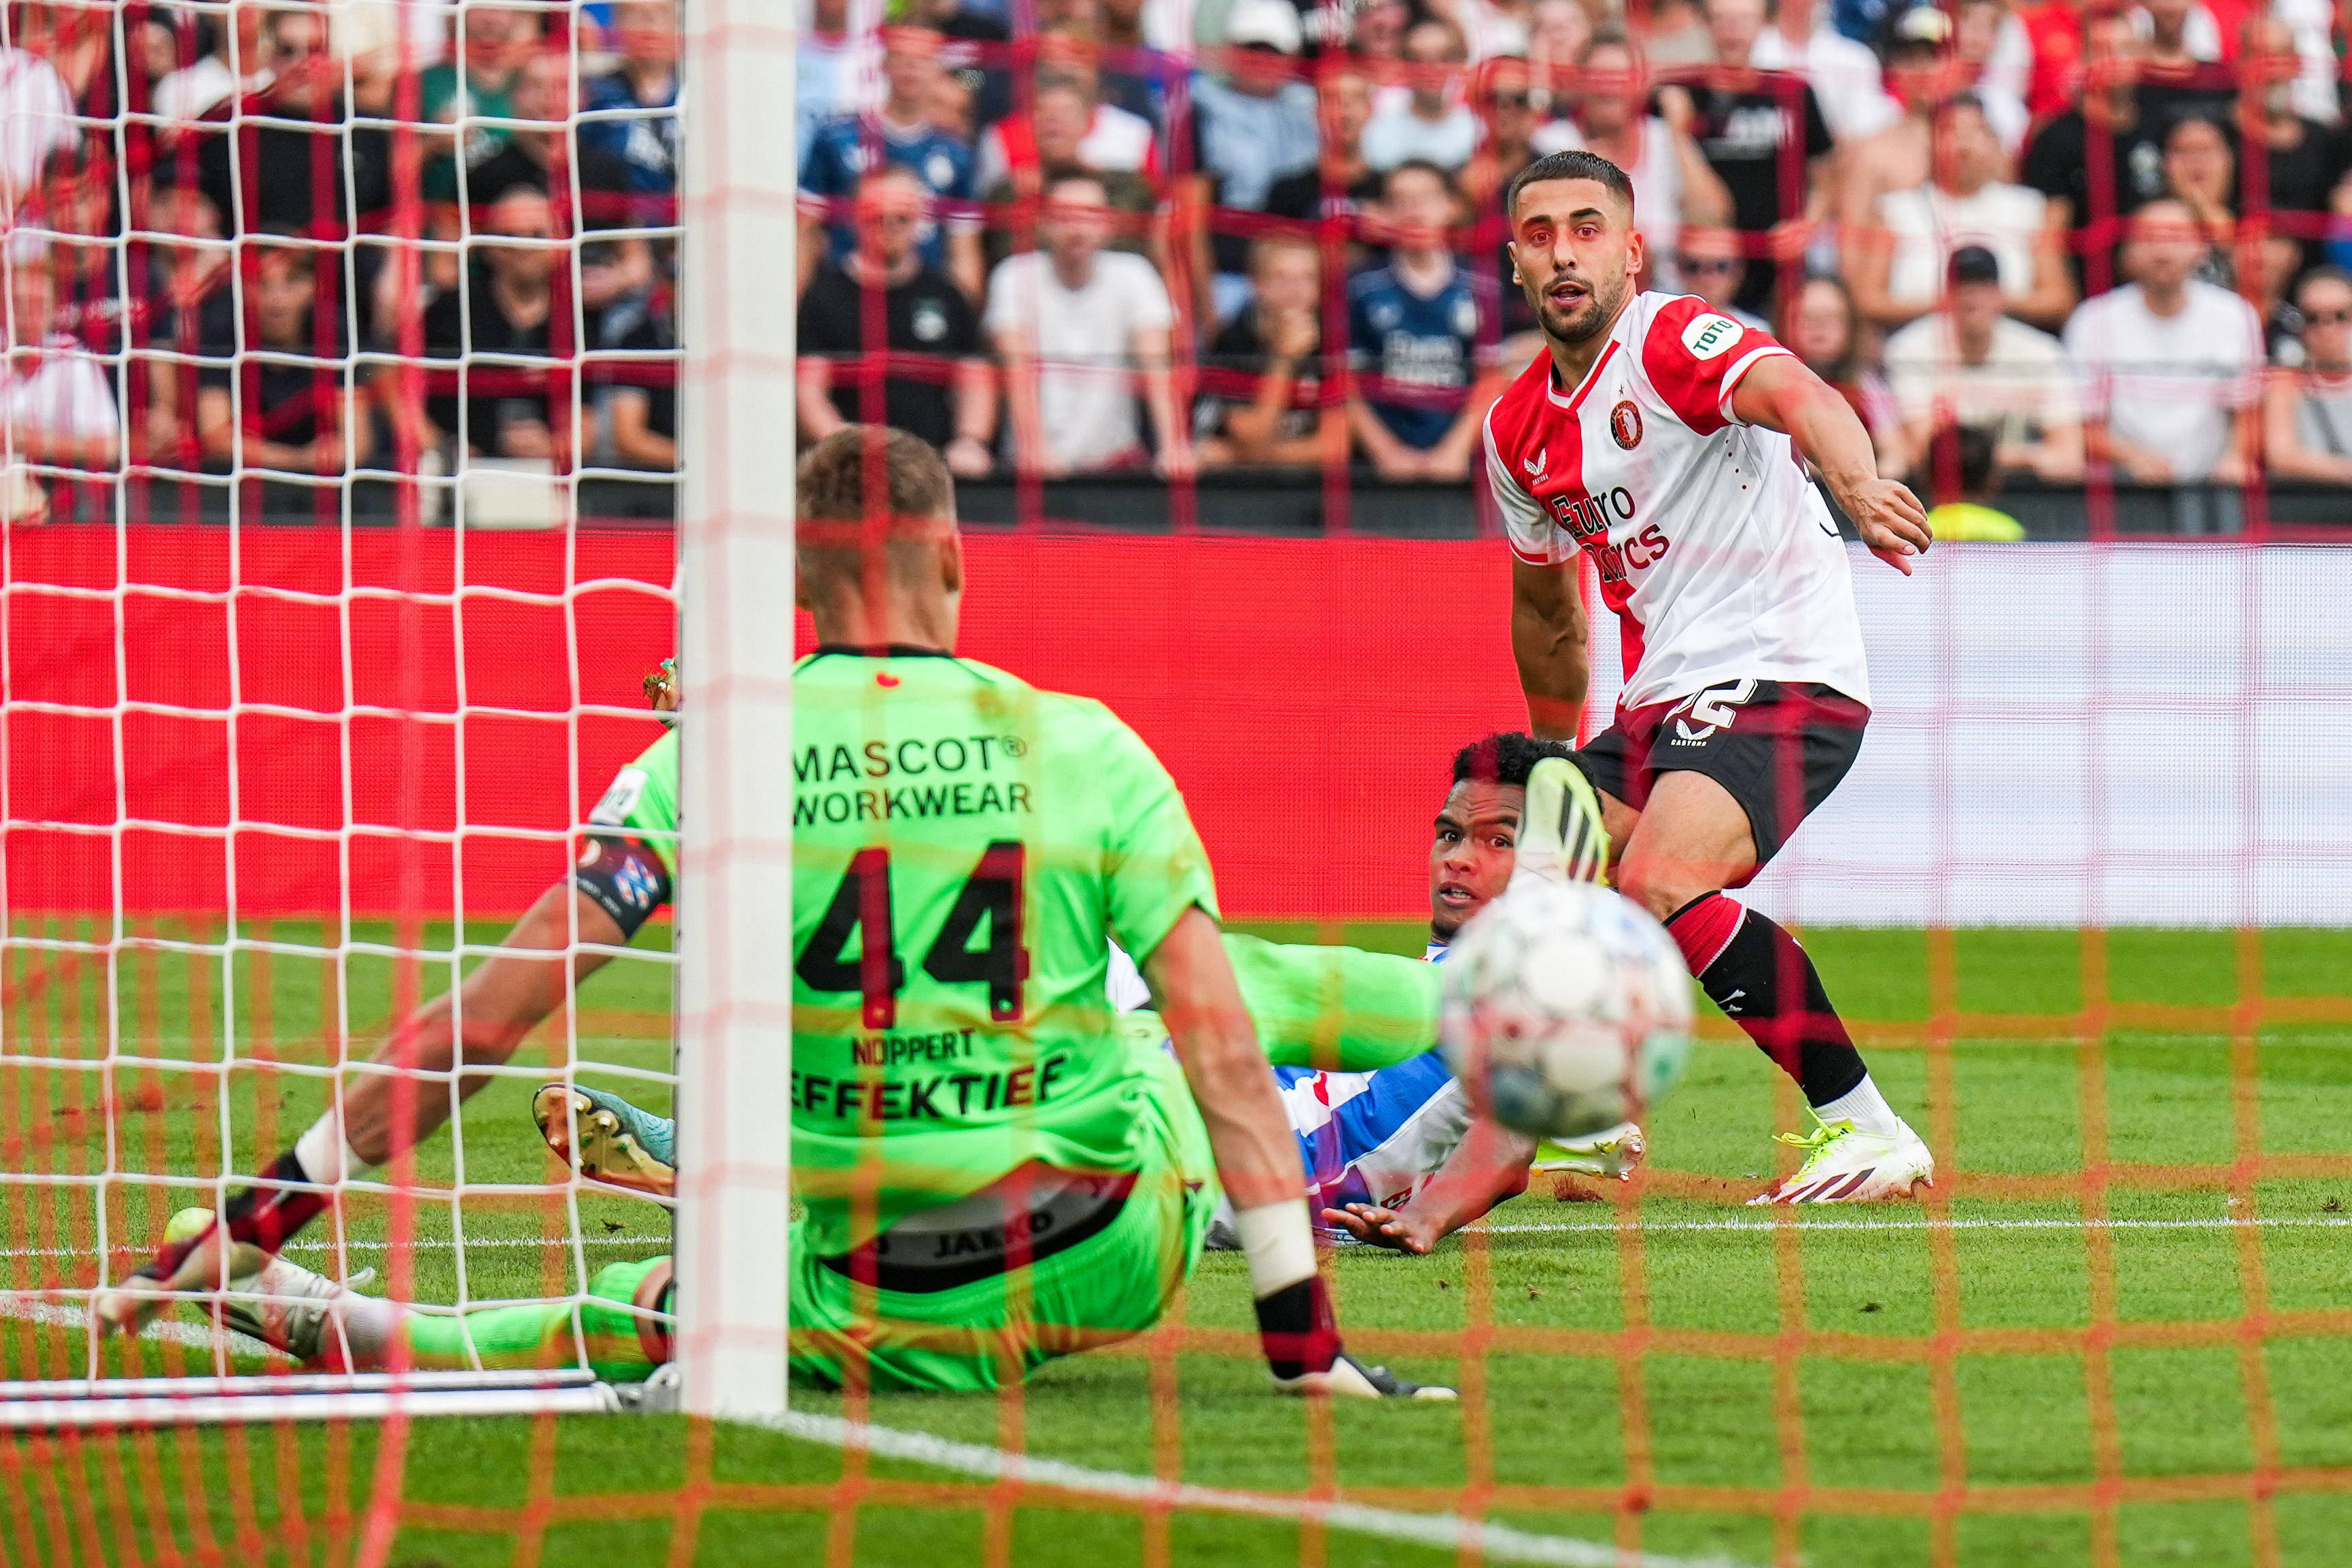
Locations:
(1708, 336)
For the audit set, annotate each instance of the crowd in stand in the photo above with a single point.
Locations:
(306, 241)
(2025, 237)
(2041, 238)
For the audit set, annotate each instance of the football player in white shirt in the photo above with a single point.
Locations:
(1669, 443)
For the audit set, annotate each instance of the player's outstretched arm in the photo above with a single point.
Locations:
(1193, 986)
(481, 1023)
(1548, 641)
(1779, 393)
(1489, 1165)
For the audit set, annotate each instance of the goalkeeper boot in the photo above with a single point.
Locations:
(620, 1143)
(1351, 1379)
(1562, 838)
(1845, 1164)
(1614, 1153)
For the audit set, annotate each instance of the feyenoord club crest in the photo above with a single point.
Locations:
(1625, 424)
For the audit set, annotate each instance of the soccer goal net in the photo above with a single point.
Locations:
(396, 386)
(343, 552)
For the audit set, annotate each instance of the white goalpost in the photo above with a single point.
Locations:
(735, 538)
(139, 1072)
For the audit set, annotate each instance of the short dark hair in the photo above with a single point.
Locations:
(1438, 172)
(1072, 174)
(1574, 164)
(833, 544)
(1507, 757)
(830, 484)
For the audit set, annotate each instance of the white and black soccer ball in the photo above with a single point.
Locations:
(1568, 1009)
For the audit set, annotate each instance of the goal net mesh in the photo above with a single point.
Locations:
(339, 541)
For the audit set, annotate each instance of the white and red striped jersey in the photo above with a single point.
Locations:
(1716, 552)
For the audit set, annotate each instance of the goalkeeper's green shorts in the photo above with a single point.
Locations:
(1112, 1285)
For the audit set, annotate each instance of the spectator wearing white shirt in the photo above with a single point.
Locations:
(2171, 372)
(1842, 74)
(36, 119)
(1972, 365)
(1434, 125)
(57, 403)
(1897, 269)
(1078, 328)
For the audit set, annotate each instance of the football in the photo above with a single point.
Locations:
(1567, 1009)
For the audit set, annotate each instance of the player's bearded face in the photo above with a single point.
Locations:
(1577, 254)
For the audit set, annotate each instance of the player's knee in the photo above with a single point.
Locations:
(1660, 885)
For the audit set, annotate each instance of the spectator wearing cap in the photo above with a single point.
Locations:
(1250, 127)
(1078, 328)
(2171, 372)
(2307, 409)
(1420, 338)
(1433, 125)
(641, 95)
(1843, 74)
(1969, 362)
(1897, 266)
(932, 383)
(1673, 185)
(899, 132)
(1750, 128)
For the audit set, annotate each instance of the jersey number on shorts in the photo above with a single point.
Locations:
(877, 974)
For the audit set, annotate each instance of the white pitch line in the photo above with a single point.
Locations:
(195, 1336)
(1495, 1542)
(1832, 1227)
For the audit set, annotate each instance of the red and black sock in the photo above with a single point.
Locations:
(1763, 981)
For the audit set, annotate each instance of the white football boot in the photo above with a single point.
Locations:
(1846, 1165)
(1613, 1153)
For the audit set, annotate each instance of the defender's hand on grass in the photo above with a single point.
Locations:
(1396, 1229)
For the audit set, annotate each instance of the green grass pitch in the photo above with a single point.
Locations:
(1852, 1388)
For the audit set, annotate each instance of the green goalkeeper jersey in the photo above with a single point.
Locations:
(962, 846)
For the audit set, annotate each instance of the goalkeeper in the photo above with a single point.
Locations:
(994, 1173)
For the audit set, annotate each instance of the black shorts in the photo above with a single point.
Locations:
(1779, 747)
